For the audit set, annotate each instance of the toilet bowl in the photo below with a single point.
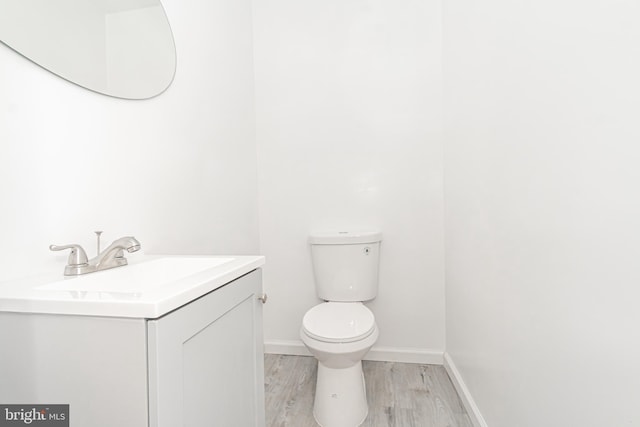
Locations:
(339, 335)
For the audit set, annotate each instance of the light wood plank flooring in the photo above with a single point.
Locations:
(399, 394)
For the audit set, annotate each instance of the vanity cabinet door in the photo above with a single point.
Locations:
(206, 360)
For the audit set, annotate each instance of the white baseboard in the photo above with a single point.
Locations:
(405, 355)
(463, 392)
(384, 354)
(291, 348)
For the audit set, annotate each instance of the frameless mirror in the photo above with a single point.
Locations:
(121, 48)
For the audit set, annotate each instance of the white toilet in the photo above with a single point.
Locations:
(340, 331)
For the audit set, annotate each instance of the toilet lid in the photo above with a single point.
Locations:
(339, 322)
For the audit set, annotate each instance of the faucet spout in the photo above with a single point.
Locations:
(113, 255)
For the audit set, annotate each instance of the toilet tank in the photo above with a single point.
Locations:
(345, 265)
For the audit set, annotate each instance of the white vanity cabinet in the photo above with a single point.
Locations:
(200, 364)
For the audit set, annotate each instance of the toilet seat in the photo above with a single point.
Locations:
(339, 322)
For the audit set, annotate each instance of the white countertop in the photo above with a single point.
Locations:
(149, 287)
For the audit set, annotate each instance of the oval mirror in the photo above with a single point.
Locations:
(121, 48)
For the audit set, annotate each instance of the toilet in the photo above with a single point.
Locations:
(340, 331)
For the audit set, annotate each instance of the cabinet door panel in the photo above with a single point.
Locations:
(206, 360)
(218, 366)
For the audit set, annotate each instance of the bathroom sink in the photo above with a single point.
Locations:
(149, 287)
(137, 278)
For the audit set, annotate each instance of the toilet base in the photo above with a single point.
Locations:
(341, 398)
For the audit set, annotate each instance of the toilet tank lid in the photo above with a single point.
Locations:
(344, 237)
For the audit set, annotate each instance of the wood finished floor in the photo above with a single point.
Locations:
(399, 394)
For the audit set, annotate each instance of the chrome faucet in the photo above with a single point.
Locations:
(112, 256)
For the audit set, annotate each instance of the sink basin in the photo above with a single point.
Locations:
(148, 288)
(137, 278)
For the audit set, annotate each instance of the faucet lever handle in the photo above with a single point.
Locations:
(77, 256)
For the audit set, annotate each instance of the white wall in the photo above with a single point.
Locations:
(348, 101)
(543, 209)
(177, 171)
